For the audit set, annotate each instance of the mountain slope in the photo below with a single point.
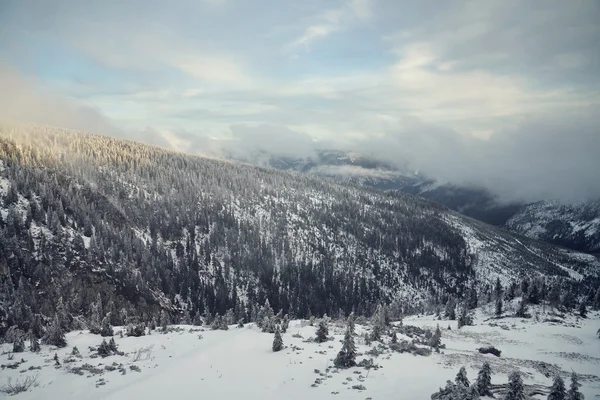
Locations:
(575, 226)
(133, 229)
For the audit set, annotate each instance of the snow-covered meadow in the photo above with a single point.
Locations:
(196, 362)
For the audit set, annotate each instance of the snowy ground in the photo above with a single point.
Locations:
(239, 363)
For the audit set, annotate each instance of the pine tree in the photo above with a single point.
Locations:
(346, 358)
(164, 321)
(597, 299)
(522, 310)
(574, 393)
(461, 378)
(55, 335)
(34, 343)
(557, 391)
(498, 289)
(582, 309)
(394, 338)
(515, 387)
(95, 322)
(277, 340)
(472, 303)
(322, 331)
(484, 380)
(450, 311)
(464, 318)
(285, 323)
(19, 345)
(436, 339)
(107, 329)
(498, 307)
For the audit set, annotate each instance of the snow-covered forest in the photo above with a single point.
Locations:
(93, 225)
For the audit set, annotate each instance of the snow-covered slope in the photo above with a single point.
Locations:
(572, 225)
(192, 362)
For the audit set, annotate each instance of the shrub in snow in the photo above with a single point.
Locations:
(557, 391)
(75, 351)
(515, 387)
(135, 330)
(107, 349)
(484, 380)
(277, 340)
(219, 324)
(490, 350)
(19, 386)
(240, 323)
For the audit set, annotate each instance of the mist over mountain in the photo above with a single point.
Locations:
(147, 229)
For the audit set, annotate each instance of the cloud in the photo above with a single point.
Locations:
(478, 93)
(21, 100)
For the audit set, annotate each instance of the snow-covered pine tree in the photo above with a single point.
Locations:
(34, 343)
(515, 387)
(557, 391)
(164, 321)
(498, 310)
(285, 323)
(95, 324)
(461, 377)
(450, 311)
(277, 340)
(522, 310)
(436, 338)
(107, 329)
(322, 331)
(19, 345)
(484, 380)
(574, 393)
(464, 318)
(394, 339)
(346, 358)
(55, 335)
(582, 309)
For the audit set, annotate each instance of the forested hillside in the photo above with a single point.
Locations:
(92, 225)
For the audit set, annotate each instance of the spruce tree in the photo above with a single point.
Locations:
(107, 329)
(557, 391)
(522, 310)
(574, 393)
(394, 338)
(95, 324)
(498, 311)
(461, 378)
(464, 318)
(34, 343)
(164, 321)
(582, 309)
(277, 340)
(19, 345)
(484, 380)
(515, 387)
(346, 358)
(436, 339)
(450, 311)
(55, 335)
(322, 331)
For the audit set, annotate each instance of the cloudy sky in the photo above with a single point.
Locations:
(503, 94)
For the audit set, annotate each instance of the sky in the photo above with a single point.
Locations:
(499, 94)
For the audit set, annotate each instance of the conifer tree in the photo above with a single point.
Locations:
(95, 321)
(285, 323)
(522, 310)
(107, 329)
(164, 321)
(19, 345)
(461, 378)
(574, 393)
(450, 311)
(277, 340)
(34, 343)
(436, 338)
(498, 310)
(582, 309)
(515, 387)
(557, 391)
(346, 358)
(464, 318)
(322, 331)
(394, 338)
(484, 380)
(55, 335)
